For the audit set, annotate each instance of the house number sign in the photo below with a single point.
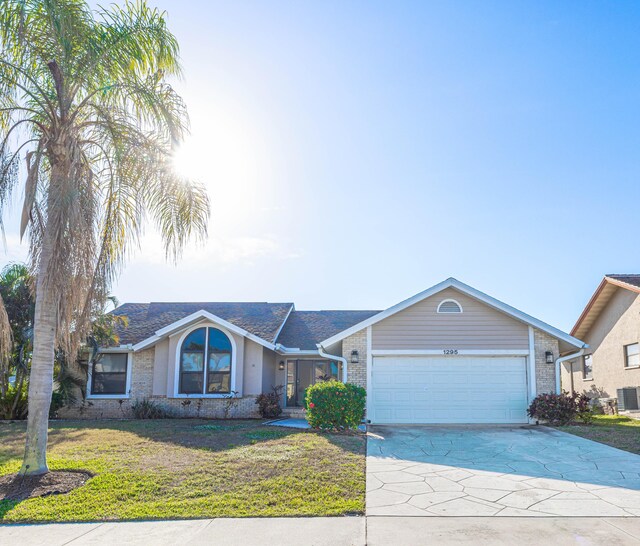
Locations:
(450, 351)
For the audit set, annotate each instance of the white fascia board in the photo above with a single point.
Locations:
(465, 289)
(292, 351)
(119, 349)
(199, 315)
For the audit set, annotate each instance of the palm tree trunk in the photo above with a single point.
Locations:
(41, 376)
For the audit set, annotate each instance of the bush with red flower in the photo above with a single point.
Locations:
(332, 405)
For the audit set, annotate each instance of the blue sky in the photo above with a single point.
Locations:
(359, 152)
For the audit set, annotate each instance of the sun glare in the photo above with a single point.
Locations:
(224, 153)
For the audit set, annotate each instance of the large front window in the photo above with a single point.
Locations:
(109, 374)
(205, 362)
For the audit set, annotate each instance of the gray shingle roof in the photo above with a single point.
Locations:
(304, 329)
(631, 279)
(261, 319)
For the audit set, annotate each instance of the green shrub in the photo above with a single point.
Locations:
(335, 405)
(560, 409)
(269, 402)
(13, 405)
(148, 409)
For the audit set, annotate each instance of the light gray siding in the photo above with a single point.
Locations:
(420, 327)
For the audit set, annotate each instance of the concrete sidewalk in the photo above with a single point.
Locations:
(348, 531)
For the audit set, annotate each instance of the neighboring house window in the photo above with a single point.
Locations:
(449, 306)
(109, 374)
(632, 355)
(587, 367)
(210, 346)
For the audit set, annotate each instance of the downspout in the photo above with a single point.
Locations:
(564, 359)
(335, 357)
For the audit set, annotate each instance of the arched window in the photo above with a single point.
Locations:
(449, 306)
(210, 346)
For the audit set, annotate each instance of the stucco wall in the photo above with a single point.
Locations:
(617, 325)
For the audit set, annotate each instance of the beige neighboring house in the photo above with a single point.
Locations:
(610, 325)
(450, 354)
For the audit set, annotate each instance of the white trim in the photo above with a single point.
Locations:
(234, 368)
(468, 290)
(127, 393)
(531, 366)
(335, 357)
(560, 361)
(289, 351)
(449, 312)
(275, 338)
(200, 315)
(119, 349)
(460, 352)
(369, 373)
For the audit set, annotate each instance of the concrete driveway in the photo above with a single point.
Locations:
(497, 471)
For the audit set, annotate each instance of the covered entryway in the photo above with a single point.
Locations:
(451, 389)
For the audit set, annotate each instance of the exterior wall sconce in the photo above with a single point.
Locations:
(354, 357)
(548, 356)
(281, 365)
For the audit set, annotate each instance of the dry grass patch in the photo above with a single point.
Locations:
(189, 469)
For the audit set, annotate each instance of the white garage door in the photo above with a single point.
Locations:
(448, 390)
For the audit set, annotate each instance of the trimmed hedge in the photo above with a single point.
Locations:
(334, 405)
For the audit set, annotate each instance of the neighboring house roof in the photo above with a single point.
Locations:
(465, 289)
(305, 329)
(610, 283)
(263, 320)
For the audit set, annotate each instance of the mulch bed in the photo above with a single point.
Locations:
(16, 487)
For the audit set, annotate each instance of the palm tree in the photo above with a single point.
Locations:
(86, 110)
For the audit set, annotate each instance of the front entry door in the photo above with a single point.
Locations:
(305, 375)
(302, 373)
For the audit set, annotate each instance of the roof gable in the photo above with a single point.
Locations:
(468, 290)
(260, 319)
(601, 297)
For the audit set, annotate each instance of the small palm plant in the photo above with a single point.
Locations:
(88, 123)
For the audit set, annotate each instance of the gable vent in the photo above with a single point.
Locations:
(449, 306)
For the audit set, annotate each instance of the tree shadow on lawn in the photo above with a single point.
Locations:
(200, 434)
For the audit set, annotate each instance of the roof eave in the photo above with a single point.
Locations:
(596, 295)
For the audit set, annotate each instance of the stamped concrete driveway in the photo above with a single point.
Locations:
(497, 471)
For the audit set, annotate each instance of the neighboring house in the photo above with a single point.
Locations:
(610, 324)
(450, 354)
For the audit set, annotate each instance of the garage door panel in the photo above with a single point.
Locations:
(449, 390)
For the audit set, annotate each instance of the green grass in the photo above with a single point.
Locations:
(191, 469)
(614, 430)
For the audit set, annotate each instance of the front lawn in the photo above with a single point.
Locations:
(191, 469)
(614, 430)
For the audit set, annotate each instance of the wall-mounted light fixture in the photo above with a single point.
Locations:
(281, 365)
(354, 357)
(548, 356)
